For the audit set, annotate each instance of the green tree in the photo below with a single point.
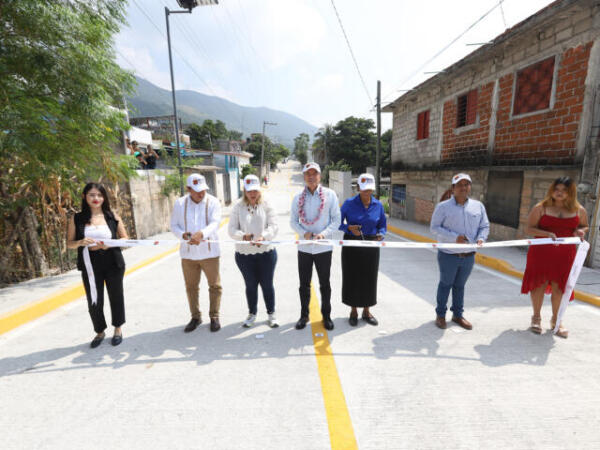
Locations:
(322, 138)
(58, 85)
(273, 152)
(354, 142)
(301, 147)
(278, 152)
(204, 136)
(235, 135)
(386, 153)
(247, 169)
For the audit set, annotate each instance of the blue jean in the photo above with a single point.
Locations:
(454, 272)
(258, 269)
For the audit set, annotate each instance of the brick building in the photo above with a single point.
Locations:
(516, 113)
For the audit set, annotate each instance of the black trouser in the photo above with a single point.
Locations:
(322, 262)
(105, 271)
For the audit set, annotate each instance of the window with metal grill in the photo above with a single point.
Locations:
(423, 125)
(534, 87)
(466, 109)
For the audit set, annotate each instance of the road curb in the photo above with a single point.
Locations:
(27, 313)
(493, 263)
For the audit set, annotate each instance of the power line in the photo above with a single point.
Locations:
(446, 47)
(503, 17)
(352, 53)
(182, 57)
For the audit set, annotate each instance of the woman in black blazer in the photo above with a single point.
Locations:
(88, 228)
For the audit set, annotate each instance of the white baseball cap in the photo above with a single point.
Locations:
(197, 182)
(251, 183)
(460, 176)
(366, 182)
(311, 165)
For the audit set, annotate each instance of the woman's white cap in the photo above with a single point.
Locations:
(366, 182)
(251, 183)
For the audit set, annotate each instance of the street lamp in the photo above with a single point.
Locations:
(262, 150)
(188, 5)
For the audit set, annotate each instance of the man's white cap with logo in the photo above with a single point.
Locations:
(197, 182)
(251, 183)
(311, 165)
(460, 176)
(366, 182)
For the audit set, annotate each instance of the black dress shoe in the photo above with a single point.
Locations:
(353, 320)
(215, 325)
(328, 324)
(192, 325)
(301, 323)
(96, 341)
(370, 320)
(116, 340)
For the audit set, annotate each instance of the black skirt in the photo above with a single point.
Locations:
(360, 266)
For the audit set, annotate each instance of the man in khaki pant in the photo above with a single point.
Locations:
(196, 216)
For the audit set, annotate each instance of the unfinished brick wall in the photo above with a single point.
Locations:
(467, 145)
(550, 136)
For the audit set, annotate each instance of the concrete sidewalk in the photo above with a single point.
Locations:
(588, 282)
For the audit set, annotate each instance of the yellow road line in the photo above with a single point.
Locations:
(37, 309)
(494, 263)
(341, 432)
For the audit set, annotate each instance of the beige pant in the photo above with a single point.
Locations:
(192, 270)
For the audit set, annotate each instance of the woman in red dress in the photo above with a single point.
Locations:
(548, 266)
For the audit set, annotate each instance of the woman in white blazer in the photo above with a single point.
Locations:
(253, 220)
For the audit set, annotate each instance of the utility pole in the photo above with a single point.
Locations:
(188, 5)
(378, 148)
(262, 150)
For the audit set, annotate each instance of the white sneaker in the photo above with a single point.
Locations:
(273, 321)
(249, 320)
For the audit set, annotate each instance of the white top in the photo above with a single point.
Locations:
(258, 220)
(197, 220)
(98, 232)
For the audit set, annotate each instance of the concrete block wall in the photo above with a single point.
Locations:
(405, 146)
(151, 209)
(341, 184)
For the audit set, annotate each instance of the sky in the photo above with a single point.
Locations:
(291, 55)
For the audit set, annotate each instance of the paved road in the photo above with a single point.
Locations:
(405, 384)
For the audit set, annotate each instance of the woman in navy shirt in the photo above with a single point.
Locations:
(363, 218)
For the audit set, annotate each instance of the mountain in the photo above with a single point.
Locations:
(150, 100)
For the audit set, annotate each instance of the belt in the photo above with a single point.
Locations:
(464, 255)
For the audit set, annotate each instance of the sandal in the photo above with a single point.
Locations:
(562, 331)
(536, 324)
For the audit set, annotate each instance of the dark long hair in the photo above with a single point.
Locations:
(85, 208)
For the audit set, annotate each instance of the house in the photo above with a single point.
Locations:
(515, 114)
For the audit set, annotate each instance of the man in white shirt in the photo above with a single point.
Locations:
(196, 217)
(315, 214)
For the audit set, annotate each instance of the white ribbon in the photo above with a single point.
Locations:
(582, 251)
(574, 274)
(357, 243)
(90, 272)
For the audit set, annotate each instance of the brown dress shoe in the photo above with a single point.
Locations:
(215, 325)
(462, 322)
(440, 322)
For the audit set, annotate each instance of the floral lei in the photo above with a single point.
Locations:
(302, 213)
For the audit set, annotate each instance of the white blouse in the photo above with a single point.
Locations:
(98, 232)
(258, 221)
